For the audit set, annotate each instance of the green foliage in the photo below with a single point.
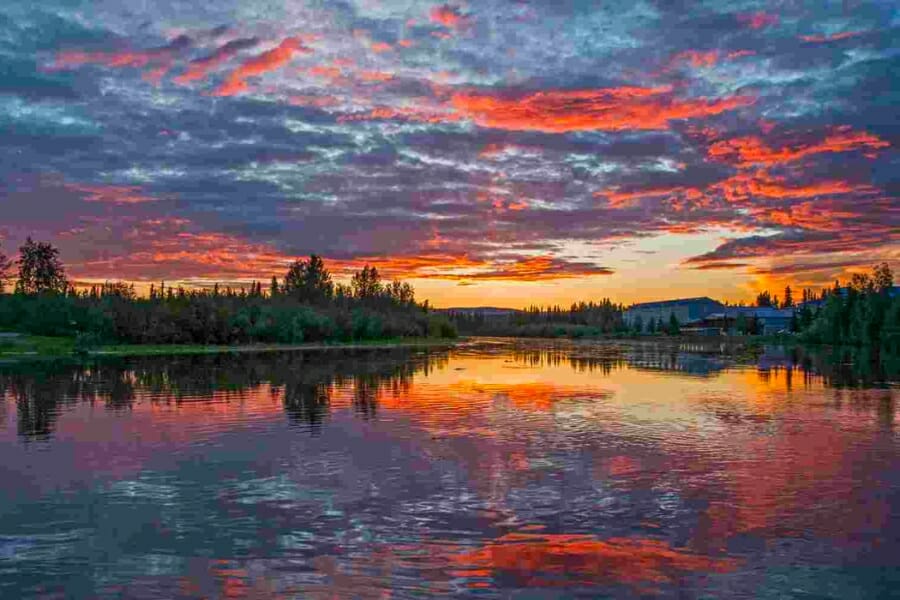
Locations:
(866, 315)
(40, 270)
(5, 266)
(309, 281)
(674, 327)
(366, 284)
(581, 319)
(439, 326)
(307, 308)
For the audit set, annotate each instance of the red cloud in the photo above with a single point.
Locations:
(462, 267)
(611, 109)
(843, 35)
(112, 194)
(697, 58)
(757, 20)
(448, 16)
(744, 187)
(270, 60)
(752, 150)
(160, 58)
(199, 68)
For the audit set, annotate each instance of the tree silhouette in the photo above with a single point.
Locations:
(5, 265)
(309, 280)
(366, 283)
(883, 277)
(674, 327)
(763, 299)
(40, 270)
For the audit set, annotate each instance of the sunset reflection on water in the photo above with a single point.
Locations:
(557, 467)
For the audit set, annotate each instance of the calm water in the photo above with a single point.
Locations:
(492, 470)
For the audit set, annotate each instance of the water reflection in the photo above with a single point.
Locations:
(561, 468)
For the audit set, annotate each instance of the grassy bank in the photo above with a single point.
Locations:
(29, 346)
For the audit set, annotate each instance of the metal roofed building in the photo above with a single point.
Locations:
(684, 309)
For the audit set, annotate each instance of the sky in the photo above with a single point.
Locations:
(501, 153)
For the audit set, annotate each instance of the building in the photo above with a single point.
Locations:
(685, 310)
(766, 320)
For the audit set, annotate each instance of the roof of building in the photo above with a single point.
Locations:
(676, 302)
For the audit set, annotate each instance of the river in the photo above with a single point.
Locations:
(495, 469)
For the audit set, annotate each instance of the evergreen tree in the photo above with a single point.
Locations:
(674, 327)
(883, 277)
(5, 266)
(366, 283)
(40, 270)
(309, 280)
(763, 299)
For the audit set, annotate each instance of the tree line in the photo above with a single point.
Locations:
(866, 312)
(305, 305)
(580, 319)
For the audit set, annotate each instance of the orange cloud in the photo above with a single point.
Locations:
(843, 35)
(820, 216)
(757, 20)
(617, 199)
(752, 150)
(448, 16)
(381, 47)
(111, 194)
(199, 68)
(375, 76)
(160, 58)
(611, 109)
(462, 267)
(270, 60)
(744, 187)
(697, 58)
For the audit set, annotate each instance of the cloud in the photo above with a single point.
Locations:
(834, 37)
(270, 60)
(746, 186)
(199, 68)
(757, 20)
(157, 60)
(410, 114)
(112, 194)
(609, 109)
(448, 16)
(752, 150)
(721, 266)
(467, 268)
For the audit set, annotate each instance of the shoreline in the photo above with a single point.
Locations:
(40, 347)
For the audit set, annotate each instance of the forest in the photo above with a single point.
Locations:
(864, 313)
(305, 305)
(580, 319)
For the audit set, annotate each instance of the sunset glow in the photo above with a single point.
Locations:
(491, 153)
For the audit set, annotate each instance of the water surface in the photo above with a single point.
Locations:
(496, 469)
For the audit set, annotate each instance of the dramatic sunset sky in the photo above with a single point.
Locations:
(490, 152)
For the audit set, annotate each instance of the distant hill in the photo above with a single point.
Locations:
(487, 311)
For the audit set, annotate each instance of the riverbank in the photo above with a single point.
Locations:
(37, 347)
